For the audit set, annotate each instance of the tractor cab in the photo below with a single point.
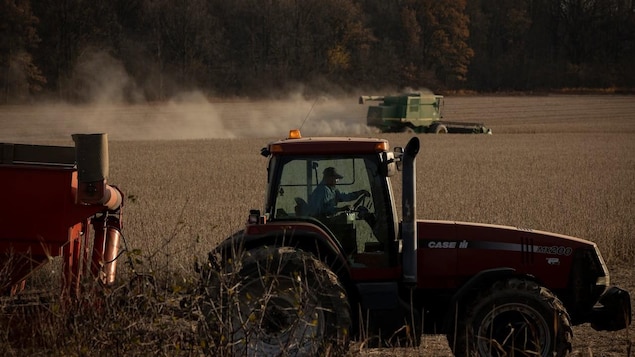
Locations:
(348, 194)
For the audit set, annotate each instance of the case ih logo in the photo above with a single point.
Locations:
(448, 244)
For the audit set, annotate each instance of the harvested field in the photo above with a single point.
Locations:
(192, 170)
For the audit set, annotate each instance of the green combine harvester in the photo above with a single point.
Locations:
(415, 113)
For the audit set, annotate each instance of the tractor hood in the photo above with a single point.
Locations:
(464, 249)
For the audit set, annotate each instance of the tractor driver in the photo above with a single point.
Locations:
(324, 199)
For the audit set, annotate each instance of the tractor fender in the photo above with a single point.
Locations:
(321, 245)
(482, 280)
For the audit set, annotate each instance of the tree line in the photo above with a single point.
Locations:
(154, 49)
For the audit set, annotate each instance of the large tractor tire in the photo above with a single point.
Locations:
(280, 302)
(514, 317)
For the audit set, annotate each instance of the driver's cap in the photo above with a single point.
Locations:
(331, 172)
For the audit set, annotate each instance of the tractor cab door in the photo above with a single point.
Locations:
(355, 207)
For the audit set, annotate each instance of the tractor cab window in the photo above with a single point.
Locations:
(347, 196)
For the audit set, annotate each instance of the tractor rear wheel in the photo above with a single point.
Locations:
(515, 317)
(283, 302)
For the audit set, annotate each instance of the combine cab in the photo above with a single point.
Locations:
(416, 113)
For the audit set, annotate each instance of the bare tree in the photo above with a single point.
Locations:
(19, 75)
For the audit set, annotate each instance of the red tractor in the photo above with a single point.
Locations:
(329, 260)
(52, 197)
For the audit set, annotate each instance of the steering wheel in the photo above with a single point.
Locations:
(363, 205)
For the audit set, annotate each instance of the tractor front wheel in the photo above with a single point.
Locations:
(515, 317)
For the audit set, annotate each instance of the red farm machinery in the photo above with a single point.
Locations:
(57, 203)
(330, 260)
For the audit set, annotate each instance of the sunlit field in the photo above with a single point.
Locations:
(192, 170)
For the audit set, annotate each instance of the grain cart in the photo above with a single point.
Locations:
(297, 284)
(417, 113)
(53, 196)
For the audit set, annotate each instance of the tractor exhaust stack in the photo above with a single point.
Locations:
(409, 211)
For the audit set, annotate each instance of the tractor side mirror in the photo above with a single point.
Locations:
(398, 154)
(388, 164)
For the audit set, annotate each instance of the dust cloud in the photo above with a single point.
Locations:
(105, 84)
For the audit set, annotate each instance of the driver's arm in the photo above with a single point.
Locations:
(347, 197)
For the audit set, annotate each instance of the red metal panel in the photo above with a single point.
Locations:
(38, 205)
(547, 256)
(39, 216)
(437, 260)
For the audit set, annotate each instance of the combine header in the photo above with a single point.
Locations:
(53, 196)
(415, 113)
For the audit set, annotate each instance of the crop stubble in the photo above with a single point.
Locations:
(557, 163)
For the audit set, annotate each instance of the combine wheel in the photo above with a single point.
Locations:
(513, 318)
(441, 129)
(282, 302)
(408, 130)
